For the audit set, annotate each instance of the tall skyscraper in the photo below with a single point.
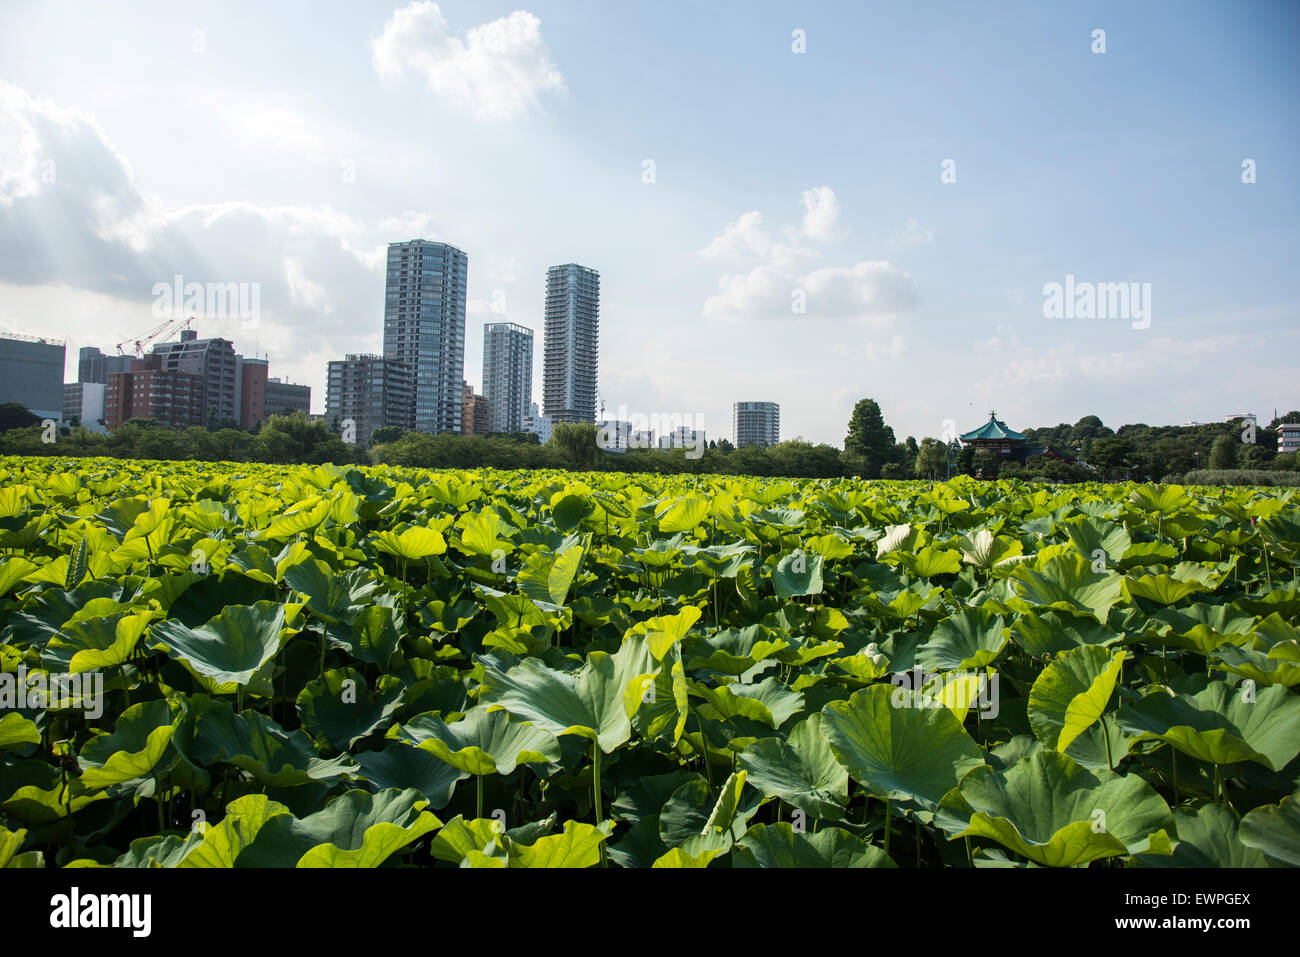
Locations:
(755, 423)
(572, 334)
(212, 359)
(424, 327)
(94, 366)
(507, 375)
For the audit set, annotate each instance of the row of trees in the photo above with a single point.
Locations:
(871, 449)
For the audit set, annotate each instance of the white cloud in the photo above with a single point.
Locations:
(743, 237)
(498, 71)
(821, 212)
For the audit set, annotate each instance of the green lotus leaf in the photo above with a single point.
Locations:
(356, 829)
(1089, 534)
(1213, 722)
(1274, 830)
(232, 646)
(1257, 665)
(331, 596)
(1054, 632)
(402, 766)
(166, 850)
(458, 838)
(339, 708)
(971, 638)
(1066, 583)
(665, 631)
(676, 857)
(1202, 628)
(211, 733)
(801, 770)
(1162, 589)
(483, 742)
(223, 843)
(411, 544)
(11, 843)
(1049, 808)
(17, 732)
(1072, 692)
(591, 703)
(986, 550)
(137, 744)
(481, 533)
(1207, 837)
(779, 845)
(769, 702)
(798, 574)
(733, 651)
(683, 514)
(899, 753)
(98, 643)
(547, 577)
(578, 846)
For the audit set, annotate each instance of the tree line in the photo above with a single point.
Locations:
(1212, 453)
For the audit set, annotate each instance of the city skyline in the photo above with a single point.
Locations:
(995, 157)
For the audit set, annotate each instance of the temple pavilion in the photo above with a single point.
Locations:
(1007, 443)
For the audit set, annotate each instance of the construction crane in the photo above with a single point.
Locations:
(147, 337)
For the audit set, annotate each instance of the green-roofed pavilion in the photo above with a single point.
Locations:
(993, 431)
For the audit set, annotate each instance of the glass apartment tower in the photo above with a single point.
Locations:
(424, 327)
(507, 375)
(572, 333)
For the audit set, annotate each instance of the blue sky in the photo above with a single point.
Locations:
(285, 144)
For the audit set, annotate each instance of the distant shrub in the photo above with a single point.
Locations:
(1234, 477)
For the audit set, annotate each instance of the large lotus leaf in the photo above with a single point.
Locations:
(339, 707)
(98, 643)
(331, 596)
(1072, 692)
(663, 632)
(402, 766)
(232, 646)
(1207, 837)
(166, 850)
(1165, 589)
(371, 636)
(1053, 632)
(411, 544)
(483, 742)
(665, 702)
(547, 576)
(678, 858)
(481, 533)
(17, 732)
(10, 844)
(568, 510)
(779, 845)
(356, 829)
(683, 514)
(223, 843)
(725, 561)
(798, 574)
(986, 550)
(1089, 534)
(458, 838)
(1220, 724)
(592, 703)
(1160, 499)
(211, 733)
(733, 651)
(578, 846)
(769, 701)
(1275, 831)
(971, 638)
(1066, 583)
(137, 744)
(1257, 665)
(800, 770)
(1049, 808)
(903, 753)
(1201, 627)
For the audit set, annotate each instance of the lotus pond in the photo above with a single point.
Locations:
(244, 665)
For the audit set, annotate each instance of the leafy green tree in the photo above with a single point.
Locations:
(388, 433)
(576, 442)
(932, 459)
(869, 443)
(1223, 454)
